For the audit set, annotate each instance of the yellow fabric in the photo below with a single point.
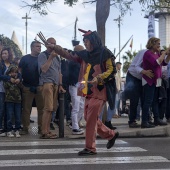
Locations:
(109, 69)
(84, 90)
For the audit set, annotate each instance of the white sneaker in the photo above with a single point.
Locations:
(10, 135)
(77, 131)
(17, 134)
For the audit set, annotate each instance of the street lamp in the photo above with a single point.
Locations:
(26, 23)
(118, 20)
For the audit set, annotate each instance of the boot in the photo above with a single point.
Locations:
(109, 125)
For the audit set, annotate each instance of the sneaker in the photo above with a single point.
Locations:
(70, 125)
(17, 134)
(2, 133)
(52, 126)
(77, 131)
(10, 134)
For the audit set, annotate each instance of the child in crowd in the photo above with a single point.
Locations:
(13, 101)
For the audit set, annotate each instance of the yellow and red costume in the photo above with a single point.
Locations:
(95, 94)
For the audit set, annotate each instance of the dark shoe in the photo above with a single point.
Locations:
(52, 126)
(109, 125)
(168, 120)
(31, 121)
(111, 142)
(39, 130)
(160, 122)
(86, 152)
(134, 125)
(147, 125)
(151, 123)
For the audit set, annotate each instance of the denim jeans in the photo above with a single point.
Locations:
(2, 108)
(110, 112)
(13, 108)
(150, 99)
(133, 91)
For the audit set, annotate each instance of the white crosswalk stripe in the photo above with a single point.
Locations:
(56, 142)
(78, 161)
(11, 152)
(68, 150)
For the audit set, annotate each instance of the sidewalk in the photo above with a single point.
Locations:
(121, 124)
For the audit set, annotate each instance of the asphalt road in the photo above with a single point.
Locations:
(58, 154)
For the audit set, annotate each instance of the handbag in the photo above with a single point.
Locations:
(110, 85)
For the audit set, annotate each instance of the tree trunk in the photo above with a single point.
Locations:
(102, 13)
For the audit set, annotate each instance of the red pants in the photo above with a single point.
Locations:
(92, 110)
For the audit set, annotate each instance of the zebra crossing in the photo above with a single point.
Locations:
(51, 152)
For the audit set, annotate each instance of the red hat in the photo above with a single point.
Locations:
(86, 32)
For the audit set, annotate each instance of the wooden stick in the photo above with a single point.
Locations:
(43, 36)
(40, 35)
(39, 41)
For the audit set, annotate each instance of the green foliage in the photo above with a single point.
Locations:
(70, 2)
(126, 65)
(127, 58)
(6, 42)
(123, 5)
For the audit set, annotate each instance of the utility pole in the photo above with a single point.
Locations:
(26, 24)
(118, 20)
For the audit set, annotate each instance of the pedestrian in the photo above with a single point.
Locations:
(152, 60)
(13, 101)
(6, 59)
(50, 79)
(133, 86)
(91, 79)
(77, 101)
(31, 90)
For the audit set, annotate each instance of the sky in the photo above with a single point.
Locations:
(59, 23)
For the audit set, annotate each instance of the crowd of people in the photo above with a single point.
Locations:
(39, 76)
(83, 76)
